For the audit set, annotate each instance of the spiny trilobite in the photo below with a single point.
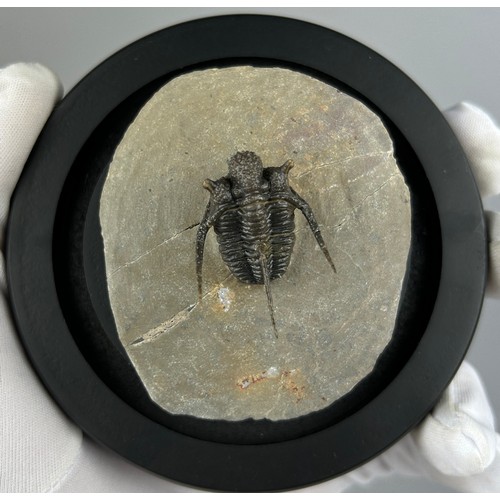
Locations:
(252, 212)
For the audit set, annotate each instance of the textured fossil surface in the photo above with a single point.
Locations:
(220, 359)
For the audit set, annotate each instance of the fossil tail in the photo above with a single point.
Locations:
(267, 286)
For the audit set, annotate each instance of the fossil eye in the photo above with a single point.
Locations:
(209, 185)
(287, 166)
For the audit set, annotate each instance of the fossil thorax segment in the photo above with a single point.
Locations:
(255, 227)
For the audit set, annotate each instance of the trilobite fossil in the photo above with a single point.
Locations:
(252, 212)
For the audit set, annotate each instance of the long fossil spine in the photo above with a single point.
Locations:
(252, 212)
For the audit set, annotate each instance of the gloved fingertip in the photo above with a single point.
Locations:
(458, 438)
(480, 138)
(455, 452)
(493, 285)
(25, 75)
(493, 227)
(28, 93)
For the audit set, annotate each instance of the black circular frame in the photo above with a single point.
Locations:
(34, 248)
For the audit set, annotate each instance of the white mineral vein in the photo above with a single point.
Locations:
(175, 320)
(151, 250)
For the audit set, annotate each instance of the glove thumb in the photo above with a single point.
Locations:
(458, 439)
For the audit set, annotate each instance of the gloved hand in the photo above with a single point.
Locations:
(41, 450)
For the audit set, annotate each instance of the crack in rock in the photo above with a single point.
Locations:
(353, 210)
(151, 250)
(354, 262)
(335, 163)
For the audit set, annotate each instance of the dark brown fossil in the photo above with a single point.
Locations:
(252, 212)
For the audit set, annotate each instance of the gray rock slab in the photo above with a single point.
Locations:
(219, 358)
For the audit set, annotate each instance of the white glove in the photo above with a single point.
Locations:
(480, 138)
(37, 444)
(40, 450)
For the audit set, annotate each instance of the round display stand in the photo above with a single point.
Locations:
(57, 281)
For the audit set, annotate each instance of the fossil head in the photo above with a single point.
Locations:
(245, 170)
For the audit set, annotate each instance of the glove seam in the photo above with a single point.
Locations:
(458, 426)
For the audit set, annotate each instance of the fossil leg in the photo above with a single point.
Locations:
(200, 245)
(267, 285)
(304, 207)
